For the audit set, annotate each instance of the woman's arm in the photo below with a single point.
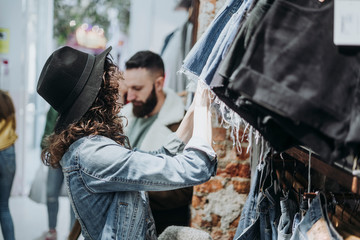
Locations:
(197, 121)
(202, 114)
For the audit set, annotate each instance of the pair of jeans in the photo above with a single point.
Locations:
(259, 217)
(200, 52)
(269, 211)
(7, 173)
(288, 210)
(223, 42)
(240, 42)
(316, 223)
(55, 180)
(248, 213)
(264, 226)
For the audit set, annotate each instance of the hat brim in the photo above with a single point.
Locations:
(87, 96)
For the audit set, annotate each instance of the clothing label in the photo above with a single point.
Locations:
(347, 22)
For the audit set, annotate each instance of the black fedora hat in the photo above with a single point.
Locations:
(70, 81)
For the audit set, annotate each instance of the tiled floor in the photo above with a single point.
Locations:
(30, 218)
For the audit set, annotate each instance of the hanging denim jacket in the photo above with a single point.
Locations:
(316, 223)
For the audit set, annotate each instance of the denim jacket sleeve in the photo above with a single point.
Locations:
(173, 145)
(106, 166)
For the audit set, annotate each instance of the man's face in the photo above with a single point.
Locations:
(141, 91)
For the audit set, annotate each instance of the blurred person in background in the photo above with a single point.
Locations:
(54, 183)
(153, 113)
(7, 162)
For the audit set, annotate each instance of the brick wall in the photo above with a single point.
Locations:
(217, 204)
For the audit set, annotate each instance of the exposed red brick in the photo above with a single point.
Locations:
(221, 172)
(235, 223)
(217, 234)
(236, 154)
(245, 171)
(198, 202)
(215, 220)
(219, 134)
(231, 234)
(223, 162)
(213, 185)
(240, 136)
(206, 224)
(196, 220)
(220, 149)
(242, 187)
(235, 170)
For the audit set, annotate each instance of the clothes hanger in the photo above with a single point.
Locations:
(332, 205)
(343, 208)
(262, 164)
(355, 208)
(282, 179)
(268, 178)
(309, 178)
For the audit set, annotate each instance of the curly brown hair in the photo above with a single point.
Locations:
(101, 119)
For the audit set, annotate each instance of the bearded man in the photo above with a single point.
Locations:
(154, 113)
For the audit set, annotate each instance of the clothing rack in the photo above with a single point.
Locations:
(337, 202)
(346, 195)
(343, 177)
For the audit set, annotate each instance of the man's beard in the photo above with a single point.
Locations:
(147, 107)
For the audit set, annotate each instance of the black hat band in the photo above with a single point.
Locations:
(79, 85)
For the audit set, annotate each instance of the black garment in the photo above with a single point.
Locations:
(293, 71)
(172, 217)
(171, 208)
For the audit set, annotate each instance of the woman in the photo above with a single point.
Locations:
(7, 162)
(105, 178)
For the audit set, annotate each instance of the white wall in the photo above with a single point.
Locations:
(30, 26)
(150, 22)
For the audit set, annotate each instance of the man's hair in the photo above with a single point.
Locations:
(148, 60)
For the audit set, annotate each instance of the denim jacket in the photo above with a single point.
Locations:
(106, 182)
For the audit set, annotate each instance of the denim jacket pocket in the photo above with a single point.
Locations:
(122, 217)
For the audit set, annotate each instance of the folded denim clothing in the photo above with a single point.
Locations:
(224, 41)
(200, 52)
(281, 132)
(293, 69)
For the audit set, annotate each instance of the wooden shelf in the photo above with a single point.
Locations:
(343, 177)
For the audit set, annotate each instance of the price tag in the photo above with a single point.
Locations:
(347, 22)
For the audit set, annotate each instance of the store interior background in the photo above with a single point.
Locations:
(30, 27)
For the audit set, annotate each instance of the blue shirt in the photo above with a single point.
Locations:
(106, 182)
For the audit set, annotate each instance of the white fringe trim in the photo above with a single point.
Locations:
(229, 118)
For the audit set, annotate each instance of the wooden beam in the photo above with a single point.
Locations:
(342, 177)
